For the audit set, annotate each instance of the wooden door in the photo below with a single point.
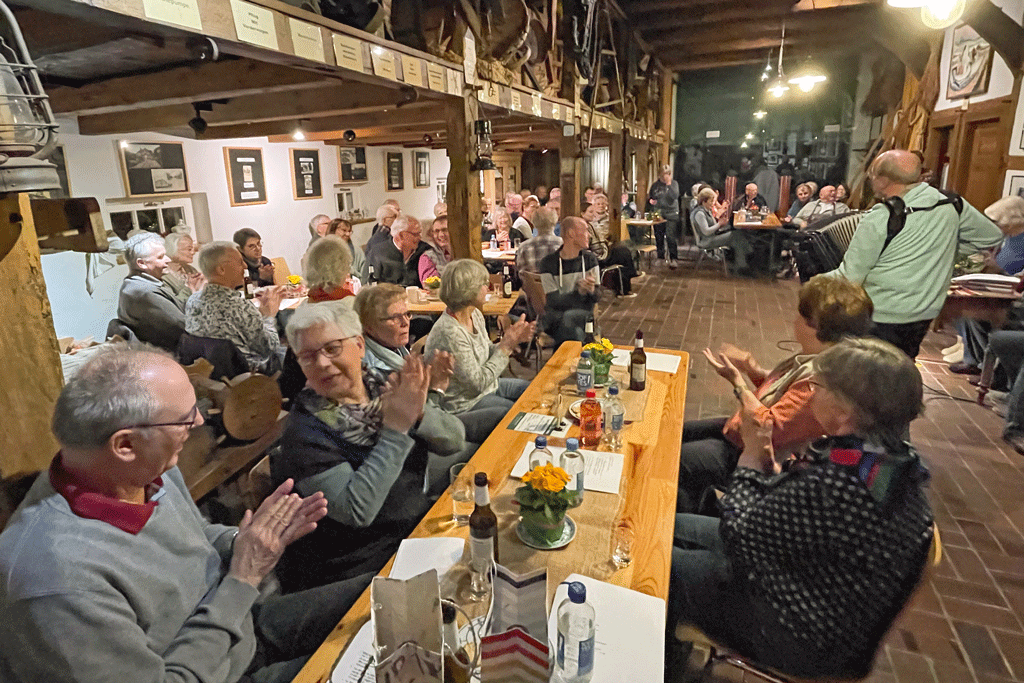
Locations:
(982, 183)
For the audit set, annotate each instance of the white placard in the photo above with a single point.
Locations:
(517, 100)
(412, 71)
(602, 470)
(307, 41)
(348, 52)
(454, 82)
(713, 134)
(178, 12)
(435, 77)
(659, 362)
(833, 128)
(469, 57)
(537, 99)
(383, 62)
(254, 24)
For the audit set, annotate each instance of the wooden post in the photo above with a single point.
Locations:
(32, 377)
(569, 171)
(463, 196)
(643, 179)
(667, 114)
(615, 185)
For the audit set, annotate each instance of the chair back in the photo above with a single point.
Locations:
(536, 299)
(227, 360)
(419, 345)
(260, 484)
(118, 328)
(698, 238)
(281, 270)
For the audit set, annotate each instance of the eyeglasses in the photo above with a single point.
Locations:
(330, 350)
(193, 415)
(404, 316)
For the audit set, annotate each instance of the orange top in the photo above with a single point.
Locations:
(794, 422)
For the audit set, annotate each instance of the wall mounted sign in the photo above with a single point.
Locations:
(151, 168)
(178, 12)
(435, 77)
(348, 52)
(352, 162)
(421, 172)
(396, 171)
(383, 63)
(1014, 184)
(970, 64)
(246, 182)
(307, 40)
(306, 182)
(412, 71)
(254, 24)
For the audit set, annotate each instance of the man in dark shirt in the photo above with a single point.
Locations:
(750, 199)
(261, 270)
(570, 277)
(397, 260)
(381, 232)
(664, 198)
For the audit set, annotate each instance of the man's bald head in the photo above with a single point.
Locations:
(899, 166)
(827, 194)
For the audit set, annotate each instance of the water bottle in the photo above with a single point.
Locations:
(540, 455)
(572, 463)
(614, 416)
(574, 655)
(584, 373)
(494, 242)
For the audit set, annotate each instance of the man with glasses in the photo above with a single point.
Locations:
(250, 244)
(397, 260)
(108, 571)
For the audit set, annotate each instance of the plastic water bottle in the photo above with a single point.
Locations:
(494, 242)
(614, 416)
(574, 466)
(584, 373)
(574, 657)
(540, 455)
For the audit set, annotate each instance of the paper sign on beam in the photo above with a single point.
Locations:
(517, 100)
(435, 77)
(412, 71)
(307, 41)
(383, 63)
(254, 24)
(178, 12)
(348, 52)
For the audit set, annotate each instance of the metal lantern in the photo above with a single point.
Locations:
(484, 146)
(28, 133)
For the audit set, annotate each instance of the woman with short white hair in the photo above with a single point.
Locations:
(181, 276)
(462, 331)
(326, 269)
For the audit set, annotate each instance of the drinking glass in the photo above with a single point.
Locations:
(461, 479)
(622, 543)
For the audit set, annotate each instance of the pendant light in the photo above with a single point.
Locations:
(766, 74)
(808, 76)
(942, 14)
(906, 4)
(778, 86)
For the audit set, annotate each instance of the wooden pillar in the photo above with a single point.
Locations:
(643, 179)
(569, 171)
(31, 379)
(784, 190)
(667, 114)
(464, 218)
(615, 185)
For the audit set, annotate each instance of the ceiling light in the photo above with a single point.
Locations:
(905, 4)
(748, 136)
(942, 14)
(778, 87)
(299, 135)
(808, 76)
(744, 145)
(760, 114)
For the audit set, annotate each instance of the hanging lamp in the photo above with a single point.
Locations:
(942, 14)
(808, 76)
(778, 86)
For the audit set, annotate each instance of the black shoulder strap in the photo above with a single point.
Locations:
(898, 212)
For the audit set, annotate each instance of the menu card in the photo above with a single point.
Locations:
(602, 471)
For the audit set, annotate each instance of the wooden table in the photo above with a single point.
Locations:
(770, 222)
(990, 307)
(647, 225)
(649, 484)
(494, 306)
(766, 233)
(499, 254)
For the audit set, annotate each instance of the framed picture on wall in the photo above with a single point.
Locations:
(970, 64)
(153, 168)
(442, 190)
(352, 163)
(396, 171)
(1014, 184)
(421, 175)
(247, 183)
(306, 182)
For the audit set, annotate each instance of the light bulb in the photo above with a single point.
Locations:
(744, 145)
(764, 76)
(749, 136)
(940, 14)
(778, 90)
(760, 114)
(298, 135)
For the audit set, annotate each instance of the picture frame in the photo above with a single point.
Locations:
(970, 64)
(153, 168)
(421, 171)
(306, 180)
(1014, 184)
(442, 190)
(247, 182)
(352, 164)
(395, 171)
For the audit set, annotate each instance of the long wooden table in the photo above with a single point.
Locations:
(648, 492)
(494, 306)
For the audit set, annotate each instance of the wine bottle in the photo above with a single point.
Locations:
(638, 364)
(248, 287)
(506, 282)
(456, 661)
(483, 525)
(588, 332)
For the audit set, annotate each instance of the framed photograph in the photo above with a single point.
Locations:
(1014, 184)
(396, 171)
(306, 182)
(421, 177)
(352, 162)
(442, 190)
(970, 64)
(247, 183)
(153, 168)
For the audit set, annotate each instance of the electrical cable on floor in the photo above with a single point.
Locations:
(942, 394)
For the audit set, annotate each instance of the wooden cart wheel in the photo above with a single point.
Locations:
(251, 407)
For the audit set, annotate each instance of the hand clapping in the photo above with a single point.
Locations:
(724, 367)
(405, 394)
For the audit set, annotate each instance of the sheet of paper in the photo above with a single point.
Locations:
(254, 24)
(454, 82)
(629, 631)
(435, 77)
(536, 423)
(661, 362)
(412, 71)
(348, 52)
(178, 12)
(602, 470)
(383, 62)
(307, 40)
(517, 100)
(289, 303)
(417, 555)
(356, 663)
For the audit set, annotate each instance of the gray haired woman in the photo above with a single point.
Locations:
(318, 227)
(462, 331)
(181, 276)
(326, 268)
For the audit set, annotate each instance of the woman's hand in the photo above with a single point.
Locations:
(758, 452)
(442, 367)
(724, 367)
(196, 281)
(743, 361)
(520, 332)
(405, 395)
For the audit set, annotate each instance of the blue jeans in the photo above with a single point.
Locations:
(1008, 345)
(566, 326)
(669, 230)
(508, 392)
(975, 334)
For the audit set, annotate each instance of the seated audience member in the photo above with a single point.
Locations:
(570, 277)
(824, 206)
(487, 208)
(803, 195)
(750, 200)
(440, 209)
(435, 259)
(554, 193)
(541, 193)
(522, 229)
(514, 205)
(146, 304)
(110, 572)
(362, 439)
(318, 225)
(842, 193)
(1008, 347)
(462, 332)
(501, 226)
(525, 192)
(343, 229)
(219, 312)
(554, 205)
(397, 260)
(1008, 214)
(628, 208)
(181, 276)
(533, 250)
(805, 571)
(326, 269)
(381, 232)
(261, 270)
(828, 310)
(717, 232)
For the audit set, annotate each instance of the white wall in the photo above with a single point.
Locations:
(282, 222)
(1001, 83)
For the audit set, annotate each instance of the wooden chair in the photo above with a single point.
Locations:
(281, 271)
(536, 299)
(419, 345)
(719, 655)
(259, 483)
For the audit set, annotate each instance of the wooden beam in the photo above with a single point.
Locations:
(1004, 34)
(464, 217)
(730, 10)
(684, 60)
(840, 19)
(616, 161)
(427, 111)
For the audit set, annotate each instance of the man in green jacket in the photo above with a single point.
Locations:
(908, 279)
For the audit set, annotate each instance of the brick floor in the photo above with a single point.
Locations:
(967, 624)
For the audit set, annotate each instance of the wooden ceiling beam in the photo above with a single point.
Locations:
(795, 48)
(329, 99)
(715, 15)
(709, 11)
(429, 113)
(684, 61)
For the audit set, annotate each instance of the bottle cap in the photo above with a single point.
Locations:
(447, 612)
(577, 592)
(572, 444)
(591, 393)
(586, 353)
(614, 390)
(541, 442)
(639, 334)
(480, 479)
